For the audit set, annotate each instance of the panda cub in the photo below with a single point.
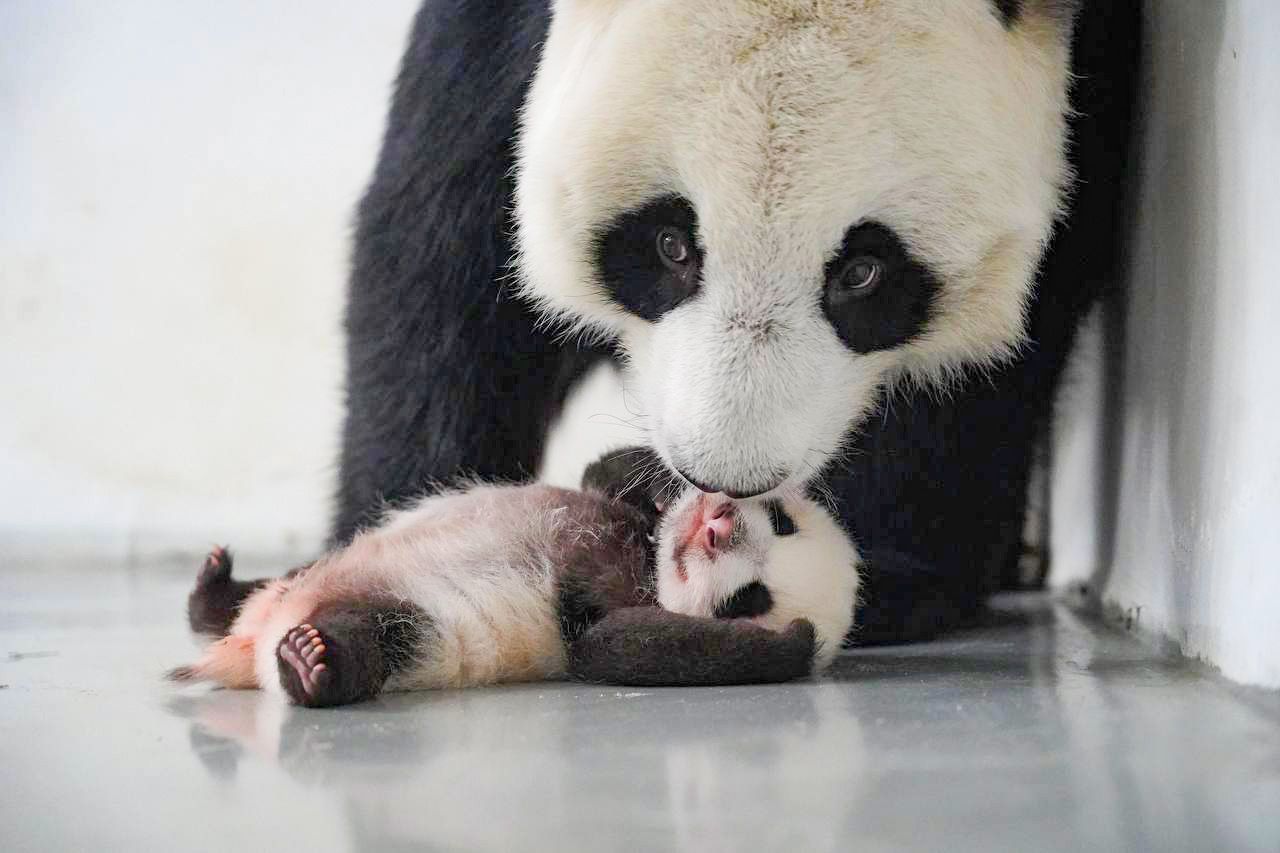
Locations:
(503, 583)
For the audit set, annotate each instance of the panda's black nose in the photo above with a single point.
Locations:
(737, 493)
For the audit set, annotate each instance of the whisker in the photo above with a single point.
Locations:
(625, 452)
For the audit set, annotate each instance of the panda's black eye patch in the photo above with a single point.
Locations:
(754, 599)
(648, 259)
(877, 294)
(782, 523)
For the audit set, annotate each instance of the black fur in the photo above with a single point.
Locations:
(1009, 10)
(754, 599)
(782, 523)
(886, 315)
(579, 607)
(630, 267)
(215, 600)
(634, 475)
(1013, 10)
(363, 645)
(448, 373)
(651, 647)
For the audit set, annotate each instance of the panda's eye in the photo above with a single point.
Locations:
(648, 259)
(862, 275)
(782, 524)
(673, 248)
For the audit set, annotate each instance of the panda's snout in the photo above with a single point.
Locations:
(743, 395)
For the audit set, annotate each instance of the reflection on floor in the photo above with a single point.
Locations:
(1039, 731)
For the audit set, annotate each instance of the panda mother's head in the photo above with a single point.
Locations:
(780, 205)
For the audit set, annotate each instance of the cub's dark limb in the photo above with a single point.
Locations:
(634, 475)
(651, 647)
(213, 604)
(346, 653)
(215, 601)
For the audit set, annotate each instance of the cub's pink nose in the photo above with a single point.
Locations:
(718, 522)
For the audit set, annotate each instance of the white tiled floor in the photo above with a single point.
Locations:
(1037, 732)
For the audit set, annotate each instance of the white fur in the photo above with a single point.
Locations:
(477, 570)
(811, 574)
(785, 122)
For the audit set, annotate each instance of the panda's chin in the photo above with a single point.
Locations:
(737, 484)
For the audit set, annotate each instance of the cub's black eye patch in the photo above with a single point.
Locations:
(877, 294)
(782, 524)
(754, 599)
(648, 259)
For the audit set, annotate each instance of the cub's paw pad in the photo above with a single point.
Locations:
(305, 674)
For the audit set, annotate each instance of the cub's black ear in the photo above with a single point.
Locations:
(635, 475)
(620, 470)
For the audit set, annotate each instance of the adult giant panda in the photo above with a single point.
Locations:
(777, 210)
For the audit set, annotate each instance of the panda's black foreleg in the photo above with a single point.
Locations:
(475, 398)
(901, 600)
(649, 646)
(448, 372)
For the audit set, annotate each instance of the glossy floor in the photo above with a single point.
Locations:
(1037, 732)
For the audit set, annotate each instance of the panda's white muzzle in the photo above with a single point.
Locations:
(745, 398)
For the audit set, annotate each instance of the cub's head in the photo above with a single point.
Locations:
(768, 561)
(779, 205)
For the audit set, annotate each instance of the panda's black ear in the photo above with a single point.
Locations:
(1063, 12)
(635, 475)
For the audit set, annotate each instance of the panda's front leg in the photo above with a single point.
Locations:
(448, 372)
(462, 389)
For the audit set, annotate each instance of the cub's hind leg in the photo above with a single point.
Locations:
(346, 652)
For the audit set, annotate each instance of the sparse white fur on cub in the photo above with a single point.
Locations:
(493, 577)
(478, 571)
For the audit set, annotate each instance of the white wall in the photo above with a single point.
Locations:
(176, 186)
(1187, 460)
